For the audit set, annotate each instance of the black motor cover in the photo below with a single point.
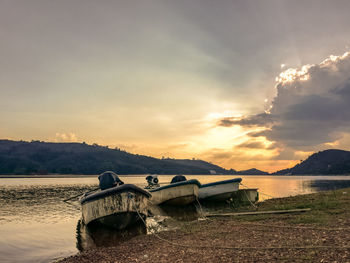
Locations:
(178, 178)
(152, 179)
(109, 179)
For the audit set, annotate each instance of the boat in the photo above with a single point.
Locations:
(180, 192)
(117, 206)
(246, 196)
(218, 191)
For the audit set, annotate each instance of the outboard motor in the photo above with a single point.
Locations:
(152, 181)
(109, 179)
(178, 178)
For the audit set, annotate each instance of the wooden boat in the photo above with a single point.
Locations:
(180, 193)
(115, 207)
(219, 191)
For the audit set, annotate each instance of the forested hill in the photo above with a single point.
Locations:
(322, 163)
(36, 157)
(252, 171)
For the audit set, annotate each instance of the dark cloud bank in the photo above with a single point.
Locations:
(312, 106)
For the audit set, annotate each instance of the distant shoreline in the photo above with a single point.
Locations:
(58, 175)
(87, 175)
(9, 176)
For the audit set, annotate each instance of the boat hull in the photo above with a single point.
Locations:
(176, 194)
(218, 191)
(246, 196)
(117, 209)
(93, 236)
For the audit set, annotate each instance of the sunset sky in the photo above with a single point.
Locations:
(241, 84)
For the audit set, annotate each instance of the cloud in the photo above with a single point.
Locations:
(254, 144)
(220, 154)
(311, 108)
(245, 158)
(254, 120)
(65, 137)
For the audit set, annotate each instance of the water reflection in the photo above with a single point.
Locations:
(325, 185)
(40, 203)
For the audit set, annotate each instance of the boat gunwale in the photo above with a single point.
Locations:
(191, 181)
(235, 180)
(114, 190)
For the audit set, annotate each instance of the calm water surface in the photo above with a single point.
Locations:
(37, 226)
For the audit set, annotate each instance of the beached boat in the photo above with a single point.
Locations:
(218, 191)
(178, 193)
(246, 196)
(116, 207)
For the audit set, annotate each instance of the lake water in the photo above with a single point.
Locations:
(37, 226)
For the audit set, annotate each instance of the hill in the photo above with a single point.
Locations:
(252, 171)
(36, 157)
(323, 163)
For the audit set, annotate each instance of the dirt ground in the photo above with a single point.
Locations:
(322, 235)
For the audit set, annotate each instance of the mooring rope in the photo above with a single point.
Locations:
(73, 205)
(232, 247)
(253, 205)
(201, 208)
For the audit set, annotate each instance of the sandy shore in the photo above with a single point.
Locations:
(321, 235)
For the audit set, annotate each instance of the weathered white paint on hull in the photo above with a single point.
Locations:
(177, 195)
(117, 209)
(218, 192)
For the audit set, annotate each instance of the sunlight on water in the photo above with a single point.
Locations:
(37, 226)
